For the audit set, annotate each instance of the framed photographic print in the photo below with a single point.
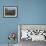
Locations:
(10, 11)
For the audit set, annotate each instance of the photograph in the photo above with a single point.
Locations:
(10, 11)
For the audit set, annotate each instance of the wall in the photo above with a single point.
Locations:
(29, 12)
(7, 25)
(32, 11)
